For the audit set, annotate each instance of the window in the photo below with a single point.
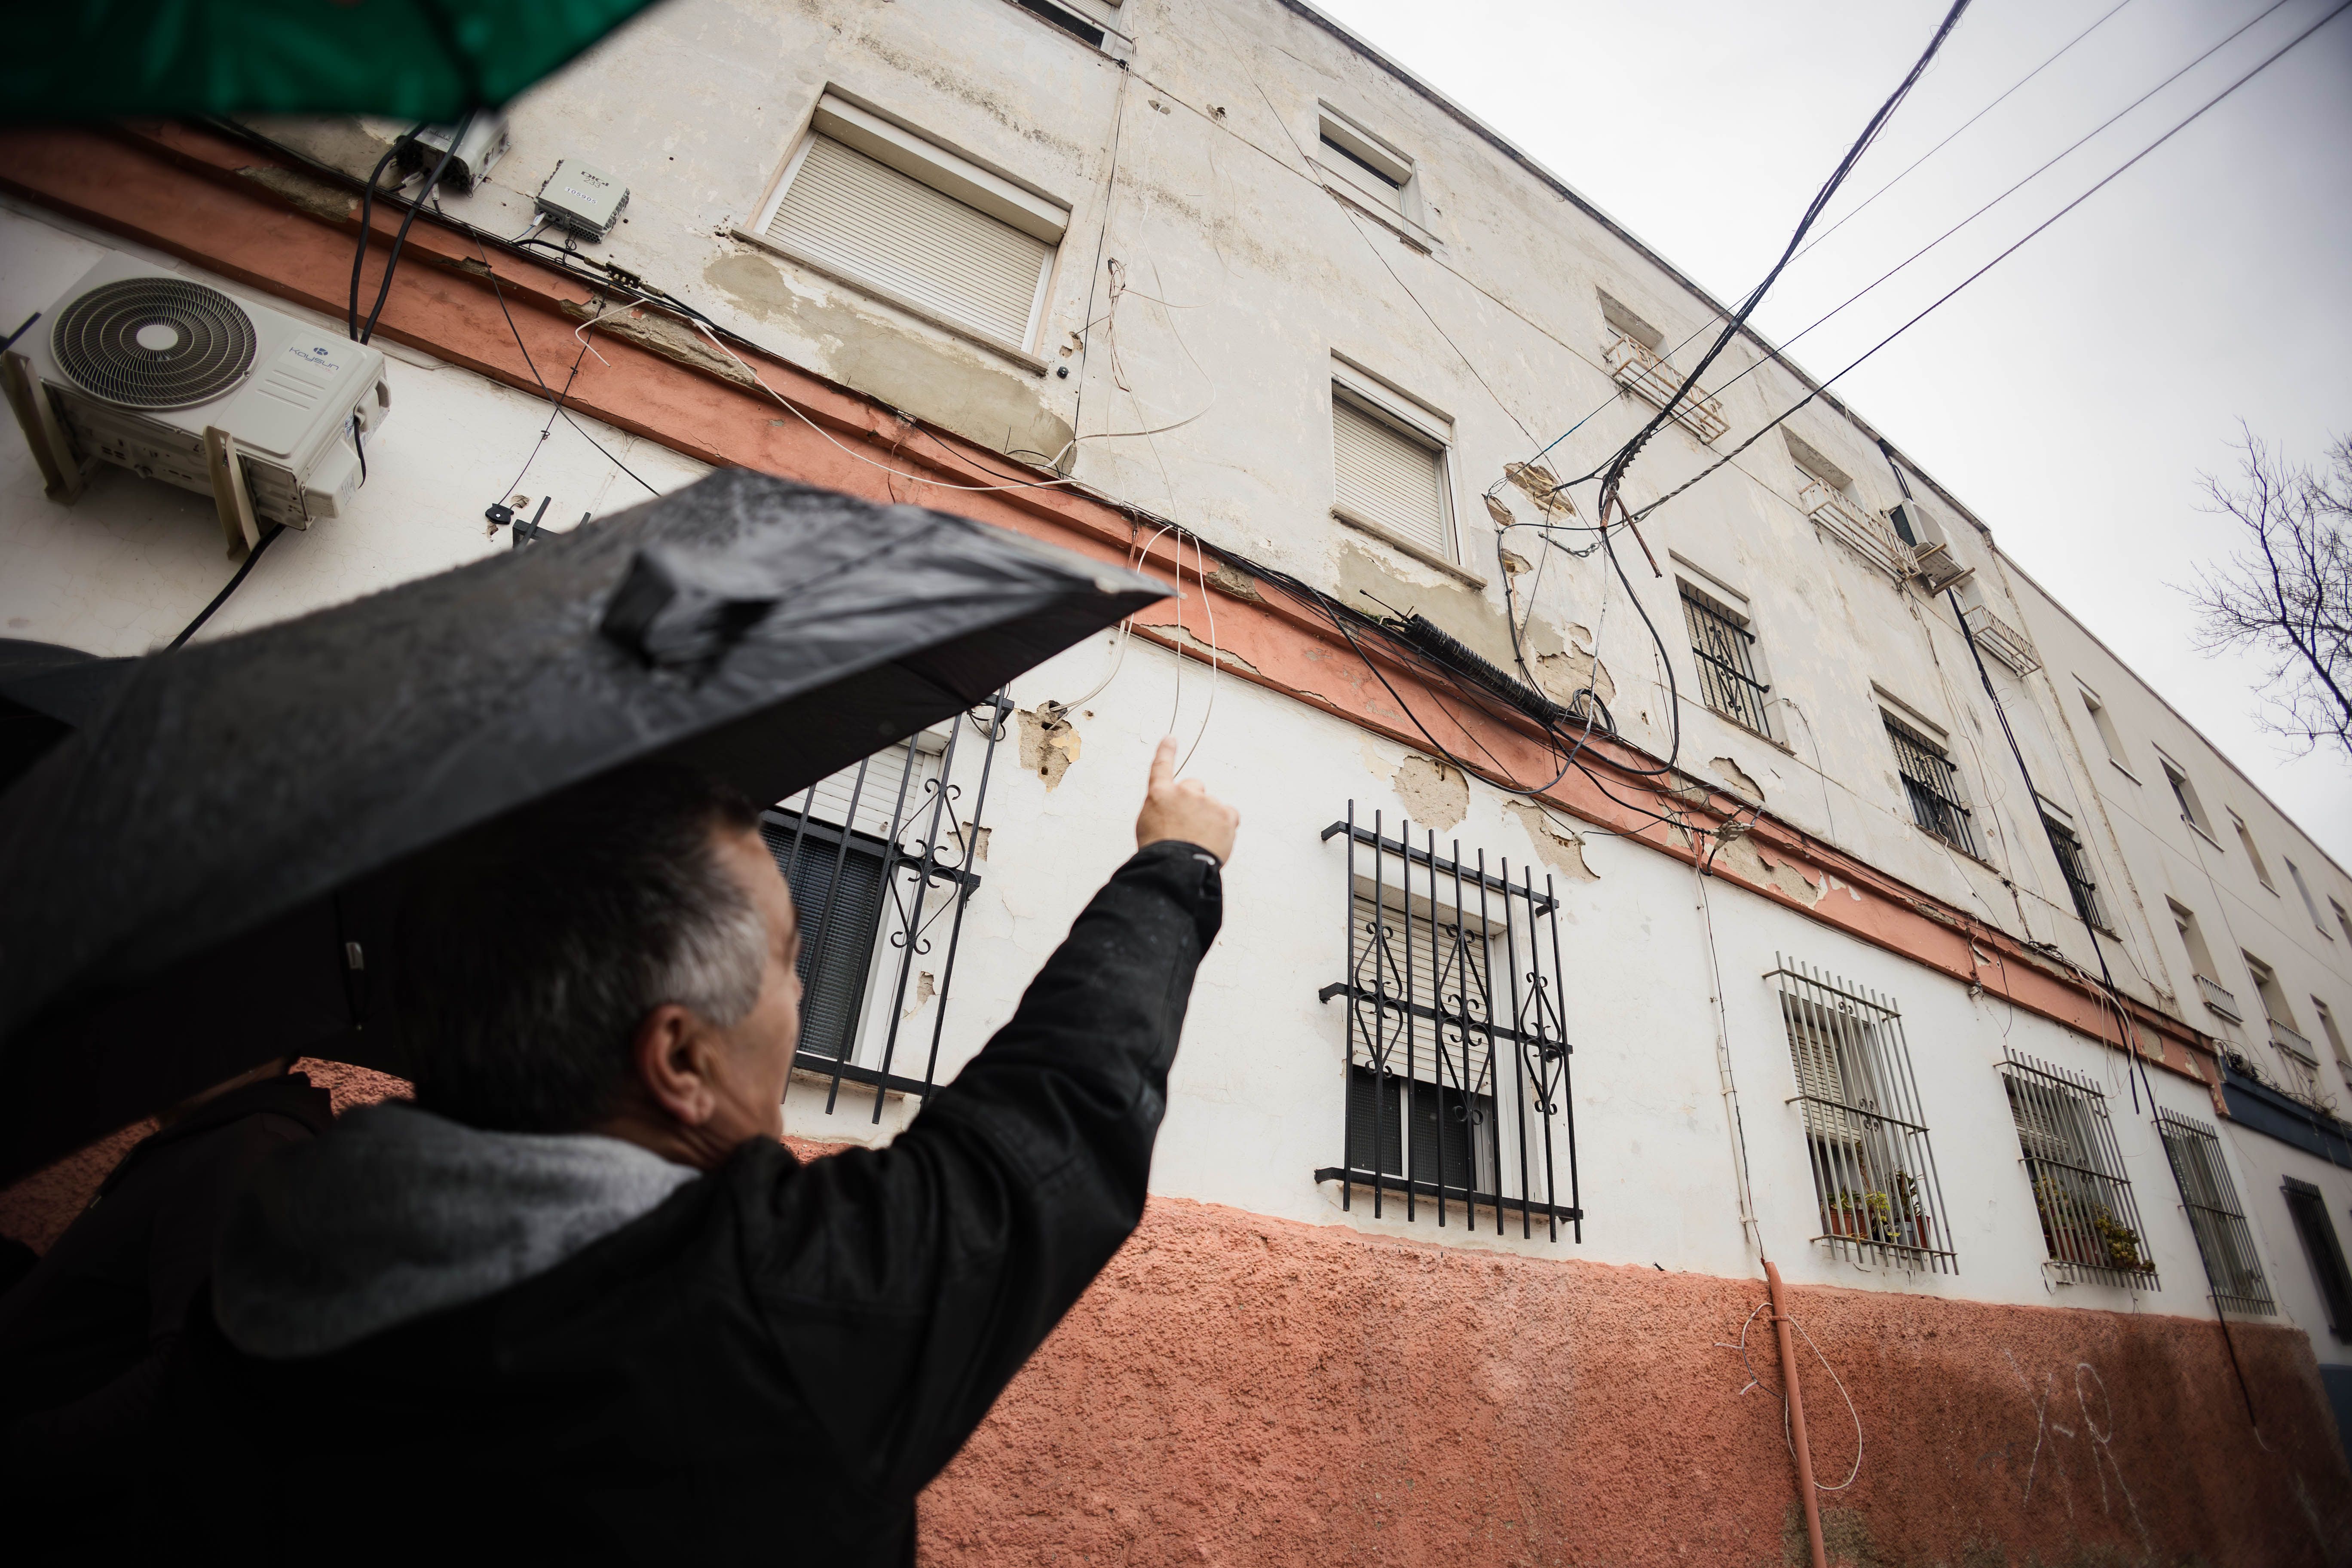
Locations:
(1726, 650)
(1366, 161)
(2105, 725)
(2324, 1252)
(2343, 921)
(2192, 810)
(2334, 1038)
(874, 204)
(1933, 786)
(2295, 1054)
(2310, 906)
(875, 855)
(2223, 1242)
(1388, 459)
(1873, 1173)
(2090, 1226)
(2074, 865)
(1069, 21)
(2201, 965)
(2253, 855)
(1635, 354)
(1458, 1054)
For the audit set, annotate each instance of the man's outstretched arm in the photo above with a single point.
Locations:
(907, 1284)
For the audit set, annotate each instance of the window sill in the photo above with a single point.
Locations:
(2205, 836)
(1420, 552)
(2124, 771)
(1354, 195)
(997, 346)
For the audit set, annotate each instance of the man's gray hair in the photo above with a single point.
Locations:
(532, 948)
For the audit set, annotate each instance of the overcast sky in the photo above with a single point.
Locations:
(2074, 395)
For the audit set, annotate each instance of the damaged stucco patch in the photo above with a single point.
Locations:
(1541, 485)
(307, 192)
(1435, 793)
(966, 390)
(1742, 858)
(663, 335)
(1556, 844)
(925, 989)
(1236, 581)
(1049, 742)
(1736, 777)
(1182, 636)
(1574, 667)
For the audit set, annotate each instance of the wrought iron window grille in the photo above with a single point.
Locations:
(2307, 1207)
(1875, 1181)
(2074, 865)
(2225, 1243)
(2090, 1223)
(1726, 650)
(1933, 786)
(878, 857)
(1457, 1084)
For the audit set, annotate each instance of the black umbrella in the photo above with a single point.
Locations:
(47, 692)
(202, 875)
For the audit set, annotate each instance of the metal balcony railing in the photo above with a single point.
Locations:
(2003, 641)
(2220, 999)
(2288, 1040)
(1867, 534)
(1636, 367)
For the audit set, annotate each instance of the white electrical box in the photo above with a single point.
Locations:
(484, 143)
(177, 381)
(586, 200)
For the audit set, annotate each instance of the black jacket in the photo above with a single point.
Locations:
(774, 1362)
(85, 1337)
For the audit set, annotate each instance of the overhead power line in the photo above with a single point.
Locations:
(1964, 124)
(2280, 53)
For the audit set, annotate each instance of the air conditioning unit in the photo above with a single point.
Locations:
(179, 381)
(484, 143)
(1935, 568)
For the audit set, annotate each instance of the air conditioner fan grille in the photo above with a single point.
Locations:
(154, 342)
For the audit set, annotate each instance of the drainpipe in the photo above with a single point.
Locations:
(1796, 1417)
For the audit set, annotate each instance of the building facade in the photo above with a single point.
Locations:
(1667, 913)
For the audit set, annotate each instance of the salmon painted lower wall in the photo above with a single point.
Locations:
(1240, 1390)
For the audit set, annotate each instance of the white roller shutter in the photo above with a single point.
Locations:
(1389, 480)
(858, 216)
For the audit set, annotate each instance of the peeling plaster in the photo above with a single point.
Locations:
(1742, 858)
(1049, 744)
(1555, 845)
(1736, 777)
(925, 989)
(1563, 675)
(1435, 793)
(968, 391)
(307, 192)
(1183, 637)
(1458, 608)
(662, 334)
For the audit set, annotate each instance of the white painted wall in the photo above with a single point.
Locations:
(1244, 276)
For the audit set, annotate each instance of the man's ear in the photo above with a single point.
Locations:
(669, 1058)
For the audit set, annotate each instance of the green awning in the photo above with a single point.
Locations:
(414, 59)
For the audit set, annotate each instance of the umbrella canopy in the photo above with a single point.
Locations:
(418, 59)
(47, 692)
(204, 874)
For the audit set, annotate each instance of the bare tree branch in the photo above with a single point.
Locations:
(2285, 591)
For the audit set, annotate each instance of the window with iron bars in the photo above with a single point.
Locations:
(881, 859)
(2223, 1242)
(2090, 1224)
(2074, 865)
(1874, 1178)
(1726, 650)
(1933, 786)
(1457, 1089)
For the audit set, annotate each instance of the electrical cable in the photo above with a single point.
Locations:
(1614, 472)
(10, 340)
(491, 273)
(269, 537)
(367, 220)
(2104, 17)
(400, 239)
(1775, 354)
(1942, 299)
